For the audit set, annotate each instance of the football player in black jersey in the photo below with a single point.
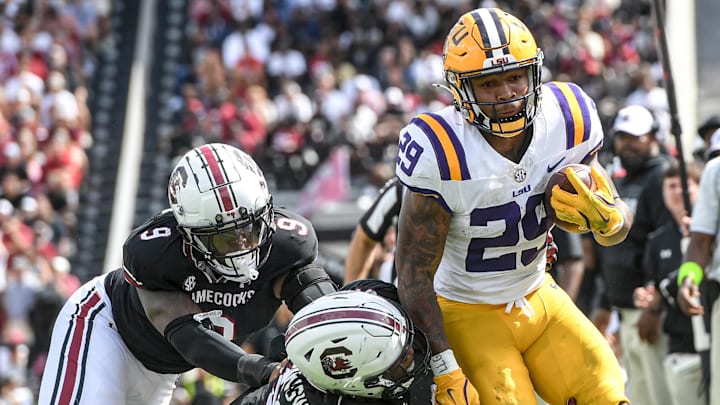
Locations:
(196, 279)
(353, 347)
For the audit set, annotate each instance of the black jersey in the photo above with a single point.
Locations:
(291, 388)
(154, 258)
(621, 264)
(663, 255)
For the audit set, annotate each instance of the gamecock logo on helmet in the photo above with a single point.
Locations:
(335, 363)
(177, 179)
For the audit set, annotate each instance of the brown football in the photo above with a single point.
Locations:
(560, 178)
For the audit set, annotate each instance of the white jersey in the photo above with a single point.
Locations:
(706, 212)
(495, 250)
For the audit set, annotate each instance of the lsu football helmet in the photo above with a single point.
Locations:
(224, 211)
(483, 42)
(356, 343)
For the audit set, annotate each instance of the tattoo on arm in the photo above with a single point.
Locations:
(422, 231)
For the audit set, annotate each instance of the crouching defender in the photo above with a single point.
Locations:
(356, 346)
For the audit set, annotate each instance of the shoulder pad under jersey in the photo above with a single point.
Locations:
(153, 254)
(579, 115)
(430, 152)
(294, 243)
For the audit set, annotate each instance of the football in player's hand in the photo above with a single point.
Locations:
(560, 178)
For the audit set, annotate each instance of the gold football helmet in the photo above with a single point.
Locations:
(483, 42)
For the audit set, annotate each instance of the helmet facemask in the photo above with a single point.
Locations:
(471, 109)
(413, 361)
(234, 250)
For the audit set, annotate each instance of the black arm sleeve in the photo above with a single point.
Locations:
(304, 285)
(204, 348)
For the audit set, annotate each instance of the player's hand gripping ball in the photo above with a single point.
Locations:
(560, 179)
(590, 207)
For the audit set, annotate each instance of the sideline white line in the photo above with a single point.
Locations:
(128, 175)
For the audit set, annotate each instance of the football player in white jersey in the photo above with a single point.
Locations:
(473, 227)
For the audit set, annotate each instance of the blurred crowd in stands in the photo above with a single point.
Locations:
(285, 80)
(48, 55)
(289, 80)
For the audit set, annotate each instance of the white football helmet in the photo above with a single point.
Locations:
(223, 208)
(356, 343)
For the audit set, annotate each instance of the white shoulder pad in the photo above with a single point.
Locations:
(583, 129)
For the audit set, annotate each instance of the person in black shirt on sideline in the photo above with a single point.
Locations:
(196, 279)
(663, 256)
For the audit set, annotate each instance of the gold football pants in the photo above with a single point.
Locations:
(555, 351)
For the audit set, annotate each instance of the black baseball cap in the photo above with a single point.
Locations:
(710, 123)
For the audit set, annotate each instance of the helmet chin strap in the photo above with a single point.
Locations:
(445, 87)
(453, 92)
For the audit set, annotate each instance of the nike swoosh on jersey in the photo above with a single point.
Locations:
(551, 168)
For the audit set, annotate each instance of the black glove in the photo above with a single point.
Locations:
(276, 349)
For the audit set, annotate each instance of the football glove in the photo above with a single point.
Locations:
(595, 211)
(454, 388)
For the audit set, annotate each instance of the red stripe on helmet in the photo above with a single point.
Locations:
(344, 315)
(218, 177)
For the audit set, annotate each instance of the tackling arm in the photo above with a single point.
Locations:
(304, 285)
(180, 320)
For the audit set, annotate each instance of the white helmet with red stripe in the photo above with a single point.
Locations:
(224, 210)
(356, 343)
